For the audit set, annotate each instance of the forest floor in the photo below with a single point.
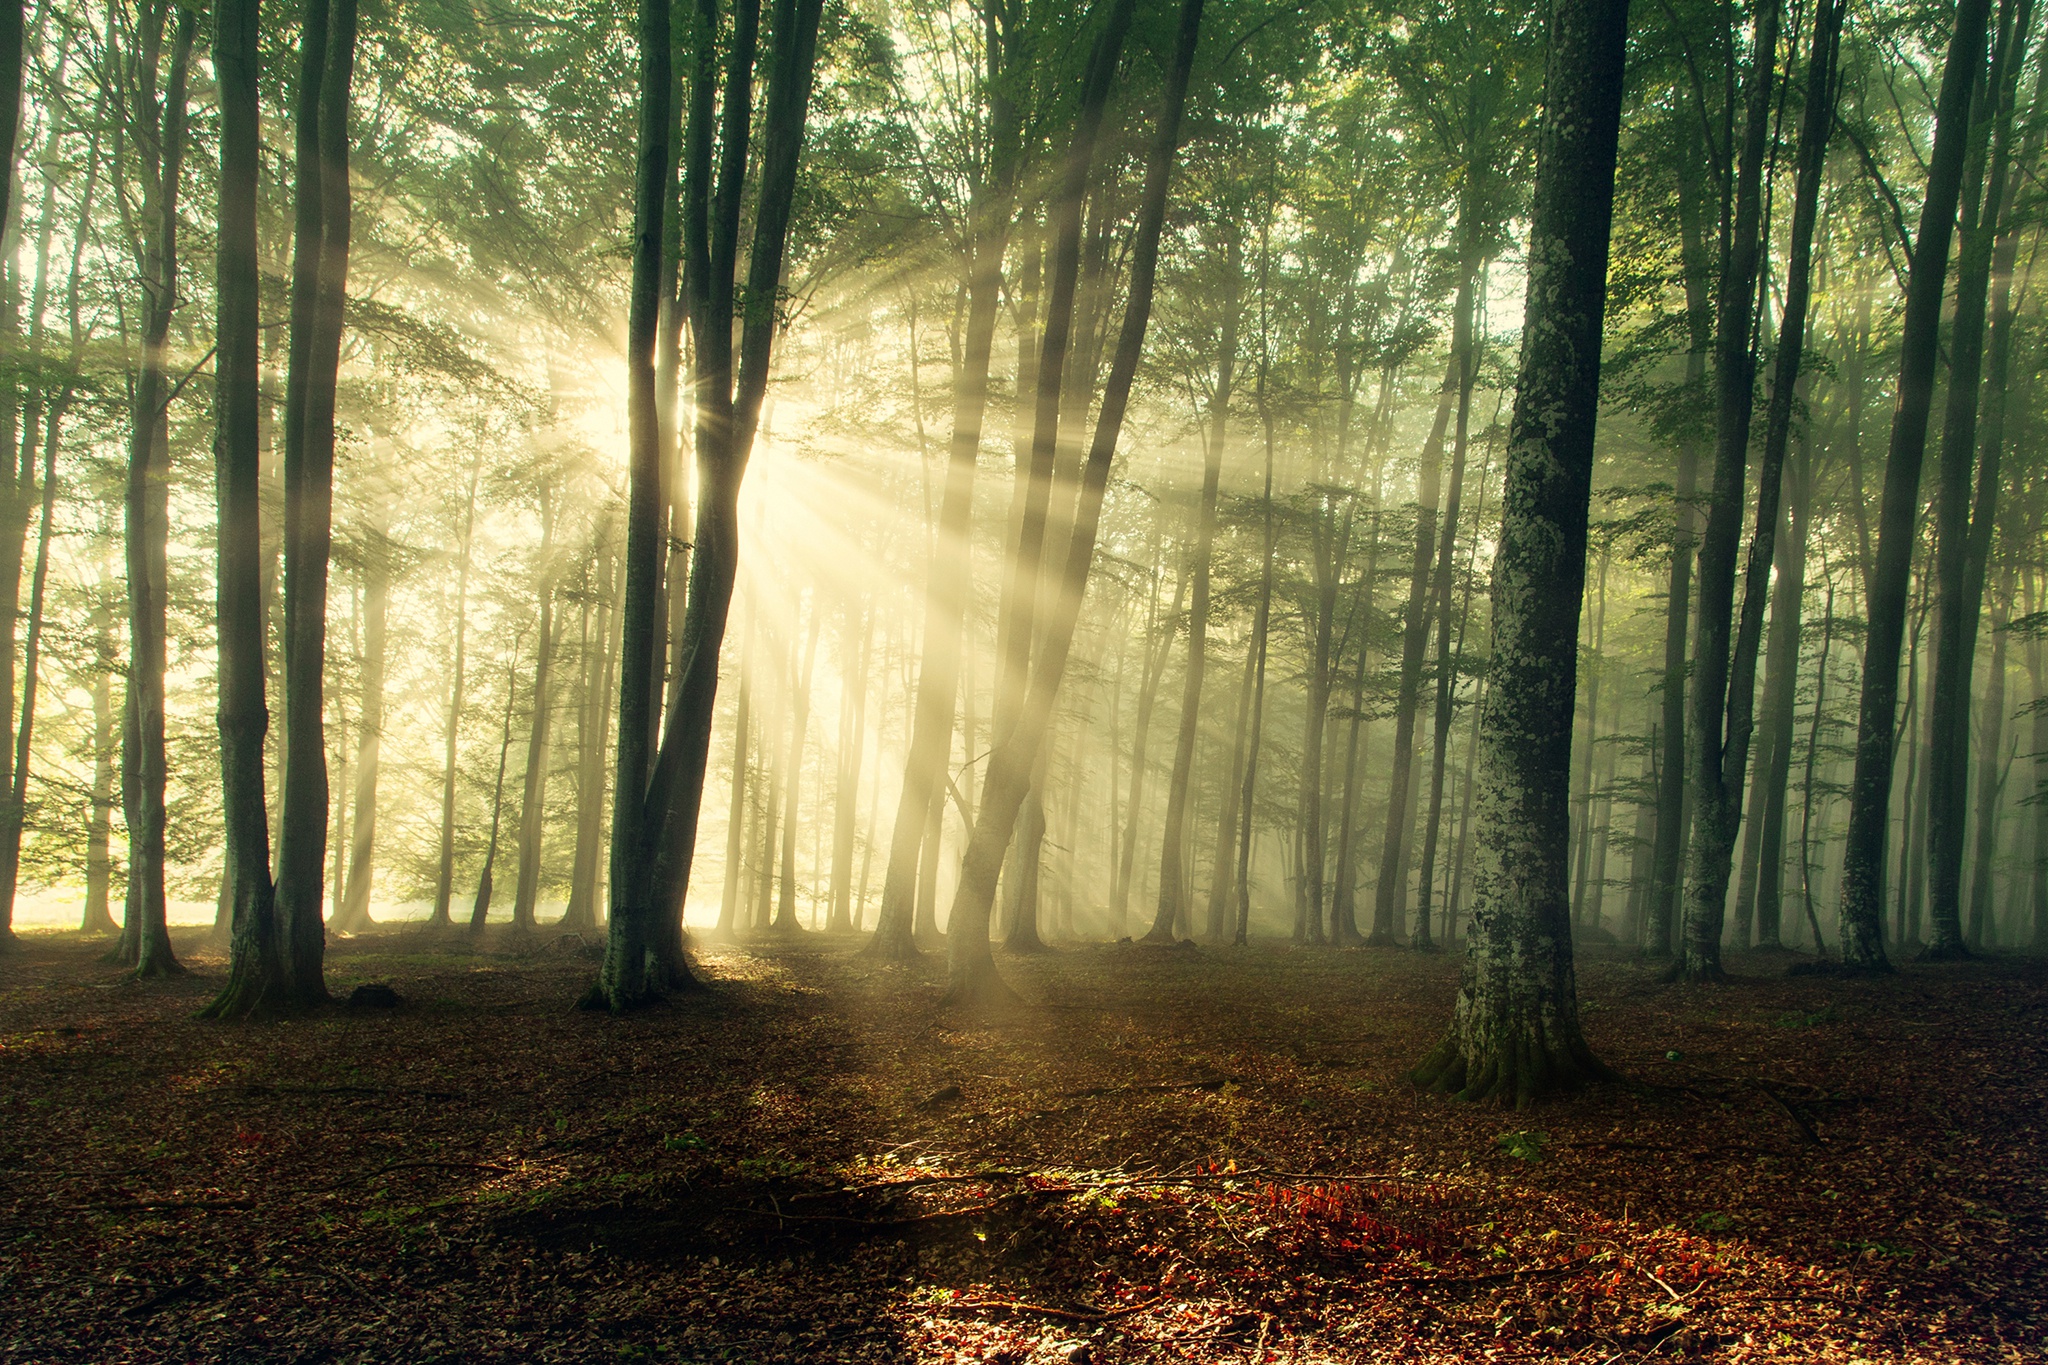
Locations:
(1164, 1154)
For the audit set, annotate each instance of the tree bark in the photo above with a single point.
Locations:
(258, 979)
(318, 296)
(1667, 857)
(1719, 744)
(970, 966)
(1863, 858)
(853, 715)
(444, 879)
(1515, 1030)
(1956, 525)
(1389, 901)
(355, 907)
(146, 940)
(660, 793)
(948, 584)
(1175, 895)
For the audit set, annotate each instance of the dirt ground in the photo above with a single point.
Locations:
(1165, 1154)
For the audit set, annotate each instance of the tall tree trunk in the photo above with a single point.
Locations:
(660, 793)
(1596, 638)
(259, 980)
(792, 781)
(355, 906)
(99, 870)
(1719, 744)
(1863, 856)
(1252, 729)
(318, 294)
(970, 966)
(853, 716)
(1764, 874)
(1667, 857)
(146, 940)
(948, 584)
(1175, 894)
(1990, 738)
(533, 795)
(1956, 525)
(736, 812)
(444, 879)
(1222, 880)
(480, 908)
(593, 719)
(1141, 733)
(1463, 350)
(1515, 1031)
(2037, 672)
(1389, 908)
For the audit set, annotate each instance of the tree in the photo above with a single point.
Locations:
(1515, 1030)
(160, 132)
(1863, 865)
(259, 981)
(659, 791)
(970, 969)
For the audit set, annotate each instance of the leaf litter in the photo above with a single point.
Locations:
(1162, 1155)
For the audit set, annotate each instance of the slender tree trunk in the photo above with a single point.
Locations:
(147, 940)
(1253, 730)
(259, 981)
(1463, 349)
(736, 812)
(1863, 865)
(1990, 737)
(1956, 526)
(792, 779)
(853, 715)
(2037, 672)
(99, 869)
(593, 718)
(1141, 732)
(318, 295)
(1515, 1031)
(1719, 743)
(1668, 855)
(1763, 876)
(480, 908)
(970, 965)
(533, 796)
(1389, 908)
(355, 907)
(444, 880)
(1175, 895)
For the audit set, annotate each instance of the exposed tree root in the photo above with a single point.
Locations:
(1946, 952)
(1528, 1074)
(978, 988)
(900, 949)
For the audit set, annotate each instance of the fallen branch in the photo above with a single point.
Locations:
(1790, 1113)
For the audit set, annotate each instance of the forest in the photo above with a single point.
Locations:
(1023, 680)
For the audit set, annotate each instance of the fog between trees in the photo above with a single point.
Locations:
(896, 470)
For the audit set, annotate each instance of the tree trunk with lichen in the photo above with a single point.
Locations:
(1863, 848)
(1515, 1032)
